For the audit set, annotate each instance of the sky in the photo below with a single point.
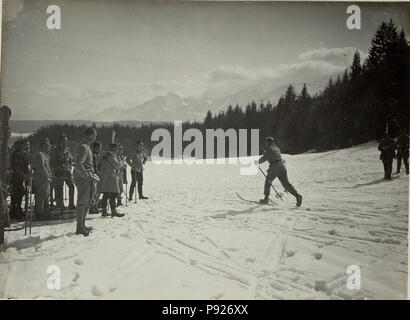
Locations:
(122, 53)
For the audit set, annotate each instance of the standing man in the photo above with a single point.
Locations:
(96, 149)
(387, 147)
(110, 170)
(122, 173)
(19, 178)
(62, 163)
(42, 178)
(136, 161)
(276, 169)
(402, 146)
(84, 179)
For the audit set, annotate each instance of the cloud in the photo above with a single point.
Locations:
(325, 61)
(334, 55)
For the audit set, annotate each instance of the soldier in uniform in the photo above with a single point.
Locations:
(96, 149)
(136, 161)
(42, 178)
(387, 147)
(122, 174)
(85, 179)
(110, 170)
(276, 169)
(61, 163)
(20, 173)
(402, 146)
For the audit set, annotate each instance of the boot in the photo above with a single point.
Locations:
(84, 226)
(264, 200)
(143, 197)
(104, 212)
(299, 200)
(114, 212)
(80, 223)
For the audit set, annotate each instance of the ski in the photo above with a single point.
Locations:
(272, 203)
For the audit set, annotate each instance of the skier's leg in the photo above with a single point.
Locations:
(59, 193)
(398, 162)
(133, 183)
(386, 169)
(114, 213)
(140, 179)
(406, 162)
(70, 185)
(104, 204)
(283, 178)
(390, 169)
(268, 181)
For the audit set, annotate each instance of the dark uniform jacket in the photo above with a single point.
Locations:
(387, 147)
(402, 145)
(62, 162)
(19, 166)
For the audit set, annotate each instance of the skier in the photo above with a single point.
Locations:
(402, 146)
(84, 179)
(61, 163)
(122, 174)
(276, 169)
(136, 162)
(387, 147)
(96, 148)
(19, 177)
(42, 178)
(110, 167)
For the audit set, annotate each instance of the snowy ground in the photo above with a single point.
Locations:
(194, 239)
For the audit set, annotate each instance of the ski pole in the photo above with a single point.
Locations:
(135, 189)
(26, 208)
(126, 188)
(30, 208)
(277, 193)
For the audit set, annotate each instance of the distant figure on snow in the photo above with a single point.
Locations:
(85, 179)
(109, 174)
(402, 146)
(136, 161)
(42, 178)
(387, 147)
(276, 169)
(62, 162)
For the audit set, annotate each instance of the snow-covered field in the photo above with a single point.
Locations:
(195, 239)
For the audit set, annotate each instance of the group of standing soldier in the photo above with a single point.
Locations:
(92, 171)
(391, 149)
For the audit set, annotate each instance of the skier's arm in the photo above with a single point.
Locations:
(263, 158)
(145, 157)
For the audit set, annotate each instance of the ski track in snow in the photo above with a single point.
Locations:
(194, 239)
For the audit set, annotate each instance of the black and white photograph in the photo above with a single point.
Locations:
(204, 150)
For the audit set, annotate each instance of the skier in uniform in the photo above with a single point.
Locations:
(387, 147)
(110, 170)
(19, 178)
(276, 169)
(136, 162)
(61, 163)
(84, 179)
(96, 148)
(122, 174)
(402, 146)
(42, 178)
